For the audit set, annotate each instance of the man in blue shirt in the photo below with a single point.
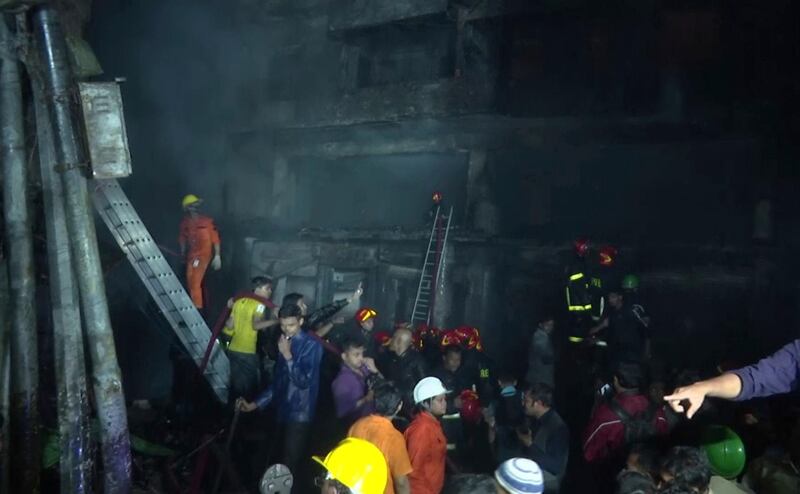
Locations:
(295, 385)
(779, 373)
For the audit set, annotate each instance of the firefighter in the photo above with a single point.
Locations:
(578, 294)
(436, 204)
(200, 247)
(365, 320)
(630, 288)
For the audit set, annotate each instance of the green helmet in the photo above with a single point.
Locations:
(725, 451)
(630, 282)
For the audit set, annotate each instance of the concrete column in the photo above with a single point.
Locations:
(482, 214)
(482, 291)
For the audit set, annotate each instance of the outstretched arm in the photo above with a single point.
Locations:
(726, 386)
(776, 374)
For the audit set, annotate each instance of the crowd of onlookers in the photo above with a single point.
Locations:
(446, 419)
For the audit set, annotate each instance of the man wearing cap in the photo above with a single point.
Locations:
(365, 322)
(519, 476)
(427, 446)
(200, 247)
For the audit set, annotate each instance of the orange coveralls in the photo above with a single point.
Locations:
(427, 449)
(198, 236)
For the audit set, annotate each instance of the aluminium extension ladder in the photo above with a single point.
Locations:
(147, 260)
(431, 268)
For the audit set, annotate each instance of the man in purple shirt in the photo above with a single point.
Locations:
(776, 374)
(351, 394)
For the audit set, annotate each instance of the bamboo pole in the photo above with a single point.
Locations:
(67, 133)
(19, 238)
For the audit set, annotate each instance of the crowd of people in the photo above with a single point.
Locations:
(419, 410)
(443, 417)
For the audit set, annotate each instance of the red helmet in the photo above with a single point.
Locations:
(608, 255)
(470, 406)
(581, 246)
(383, 338)
(365, 314)
(437, 197)
(450, 337)
(470, 338)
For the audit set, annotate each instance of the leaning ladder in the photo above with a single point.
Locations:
(431, 268)
(146, 258)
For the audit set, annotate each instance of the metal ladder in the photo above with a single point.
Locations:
(147, 260)
(431, 268)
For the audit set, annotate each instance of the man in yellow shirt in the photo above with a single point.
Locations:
(250, 313)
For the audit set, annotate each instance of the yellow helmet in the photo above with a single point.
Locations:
(190, 199)
(358, 464)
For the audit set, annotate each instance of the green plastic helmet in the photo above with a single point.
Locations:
(630, 282)
(725, 451)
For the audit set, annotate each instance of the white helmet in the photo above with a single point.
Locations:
(427, 388)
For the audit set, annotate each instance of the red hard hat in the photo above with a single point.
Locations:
(365, 314)
(607, 255)
(470, 407)
(469, 337)
(383, 338)
(581, 246)
(450, 337)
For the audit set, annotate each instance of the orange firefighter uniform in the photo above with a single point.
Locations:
(198, 238)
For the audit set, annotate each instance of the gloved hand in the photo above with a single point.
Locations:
(216, 263)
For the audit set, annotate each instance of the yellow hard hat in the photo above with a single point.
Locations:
(190, 199)
(358, 464)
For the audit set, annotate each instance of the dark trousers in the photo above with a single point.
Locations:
(294, 444)
(244, 374)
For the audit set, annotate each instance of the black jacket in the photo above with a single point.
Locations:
(406, 371)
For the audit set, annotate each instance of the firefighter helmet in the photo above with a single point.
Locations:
(365, 314)
(383, 338)
(450, 337)
(608, 255)
(189, 200)
(470, 337)
(358, 464)
(470, 406)
(581, 246)
(630, 282)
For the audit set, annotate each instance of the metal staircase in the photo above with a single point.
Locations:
(147, 260)
(431, 268)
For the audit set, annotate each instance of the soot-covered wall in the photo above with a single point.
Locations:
(377, 191)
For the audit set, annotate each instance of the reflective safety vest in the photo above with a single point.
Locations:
(597, 298)
(578, 297)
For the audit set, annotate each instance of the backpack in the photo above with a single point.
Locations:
(639, 427)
